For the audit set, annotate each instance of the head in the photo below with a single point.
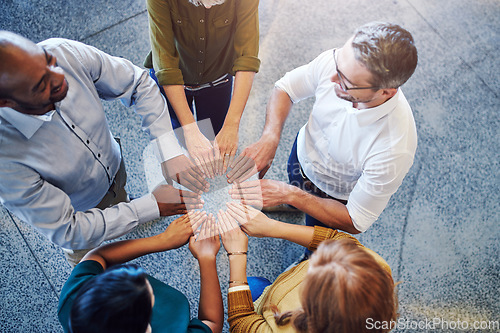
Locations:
(207, 3)
(374, 63)
(344, 287)
(30, 80)
(118, 300)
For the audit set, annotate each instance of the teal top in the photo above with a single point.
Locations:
(170, 311)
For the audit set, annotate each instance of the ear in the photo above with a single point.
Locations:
(389, 92)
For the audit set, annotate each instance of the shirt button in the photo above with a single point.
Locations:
(88, 141)
(202, 21)
(200, 74)
(201, 51)
(179, 21)
(202, 38)
(107, 167)
(226, 21)
(200, 61)
(73, 126)
(99, 155)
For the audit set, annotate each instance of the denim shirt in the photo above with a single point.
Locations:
(55, 168)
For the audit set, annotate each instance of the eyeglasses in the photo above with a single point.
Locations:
(342, 78)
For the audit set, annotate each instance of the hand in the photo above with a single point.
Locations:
(184, 172)
(206, 243)
(225, 146)
(253, 222)
(257, 157)
(181, 229)
(172, 201)
(261, 193)
(200, 149)
(233, 239)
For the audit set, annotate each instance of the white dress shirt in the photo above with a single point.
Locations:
(357, 155)
(55, 168)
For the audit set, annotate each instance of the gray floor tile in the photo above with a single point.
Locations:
(28, 300)
(439, 232)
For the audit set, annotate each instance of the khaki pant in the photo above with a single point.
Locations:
(115, 195)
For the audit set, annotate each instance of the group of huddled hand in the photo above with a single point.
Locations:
(62, 170)
(335, 289)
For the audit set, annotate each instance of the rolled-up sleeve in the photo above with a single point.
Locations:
(164, 53)
(381, 178)
(246, 39)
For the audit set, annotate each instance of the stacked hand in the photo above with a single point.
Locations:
(261, 193)
(172, 201)
(233, 239)
(225, 146)
(186, 173)
(257, 157)
(181, 229)
(206, 242)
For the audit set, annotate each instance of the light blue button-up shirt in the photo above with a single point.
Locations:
(55, 168)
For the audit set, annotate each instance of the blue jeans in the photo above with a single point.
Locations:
(210, 102)
(297, 178)
(257, 285)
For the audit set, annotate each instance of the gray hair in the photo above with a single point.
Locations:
(388, 51)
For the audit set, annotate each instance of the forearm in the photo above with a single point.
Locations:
(278, 108)
(243, 81)
(329, 211)
(237, 269)
(299, 234)
(210, 309)
(177, 98)
(124, 251)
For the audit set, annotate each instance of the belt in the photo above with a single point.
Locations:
(223, 79)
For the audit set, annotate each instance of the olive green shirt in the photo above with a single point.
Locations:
(194, 45)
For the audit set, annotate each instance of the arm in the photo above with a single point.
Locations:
(261, 153)
(176, 235)
(241, 314)
(227, 139)
(204, 248)
(267, 192)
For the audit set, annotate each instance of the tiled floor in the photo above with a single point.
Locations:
(440, 231)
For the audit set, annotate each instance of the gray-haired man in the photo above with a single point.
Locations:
(359, 141)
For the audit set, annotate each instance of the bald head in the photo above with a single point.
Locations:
(30, 79)
(12, 47)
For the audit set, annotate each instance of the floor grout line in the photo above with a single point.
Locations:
(33, 254)
(445, 41)
(113, 25)
(405, 224)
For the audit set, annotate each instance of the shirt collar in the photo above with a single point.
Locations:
(369, 116)
(25, 123)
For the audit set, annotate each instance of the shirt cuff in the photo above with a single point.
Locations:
(166, 147)
(238, 288)
(147, 208)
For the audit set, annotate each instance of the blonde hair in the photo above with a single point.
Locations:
(344, 287)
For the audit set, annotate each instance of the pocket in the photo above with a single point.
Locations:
(223, 21)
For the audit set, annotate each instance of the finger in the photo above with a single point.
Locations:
(245, 175)
(230, 159)
(218, 156)
(222, 224)
(237, 213)
(238, 163)
(244, 167)
(203, 164)
(230, 221)
(208, 157)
